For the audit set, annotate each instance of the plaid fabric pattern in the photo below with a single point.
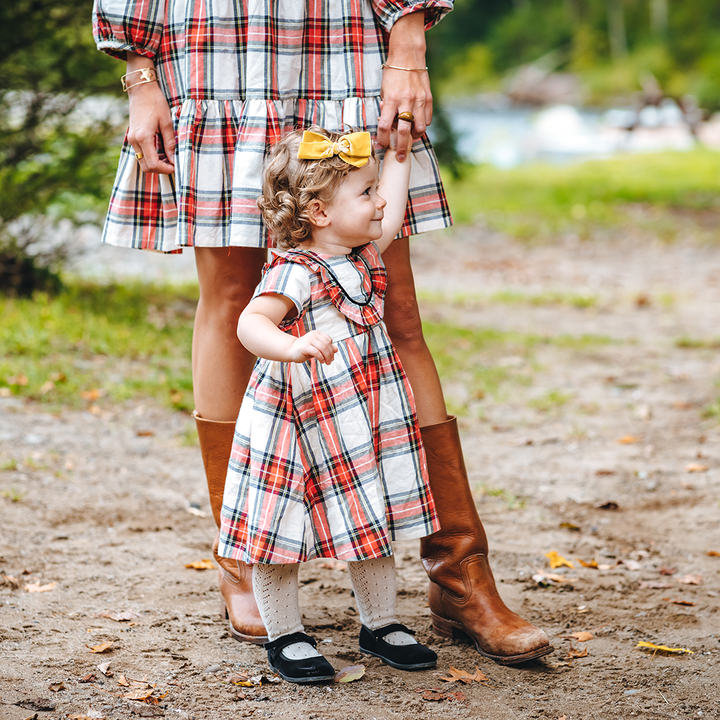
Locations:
(236, 79)
(327, 460)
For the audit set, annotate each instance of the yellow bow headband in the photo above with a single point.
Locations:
(354, 148)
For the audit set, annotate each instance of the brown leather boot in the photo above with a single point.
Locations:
(234, 577)
(463, 598)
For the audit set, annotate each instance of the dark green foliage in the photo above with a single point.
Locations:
(681, 48)
(53, 161)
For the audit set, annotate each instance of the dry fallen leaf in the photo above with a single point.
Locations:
(122, 680)
(690, 580)
(608, 505)
(242, 679)
(104, 668)
(139, 694)
(570, 526)
(713, 553)
(145, 433)
(93, 394)
(575, 653)
(696, 468)
(204, 564)
(57, 687)
(433, 695)
(679, 602)
(118, 617)
(36, 587)
(628, 440)
(349, 673)
(580, 636)
(662, 648)
(557, 561)
(465, 677)
(592, 564)
(653, 585)
(104, 647)
(87, 678)
(603, 472)
(667, 571)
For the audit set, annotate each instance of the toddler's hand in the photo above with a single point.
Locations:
(313, 344)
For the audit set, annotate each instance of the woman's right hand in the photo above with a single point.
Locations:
(150, 117)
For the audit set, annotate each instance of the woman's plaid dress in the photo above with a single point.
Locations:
(238, 75)
(327, 460)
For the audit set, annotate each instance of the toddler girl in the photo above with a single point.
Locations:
(327, 459)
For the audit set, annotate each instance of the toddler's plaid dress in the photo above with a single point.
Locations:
(327, 460)
(238, 75)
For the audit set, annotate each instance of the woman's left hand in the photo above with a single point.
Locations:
(403, 90)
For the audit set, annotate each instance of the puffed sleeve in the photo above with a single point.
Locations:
(390, 11)
(120, 26)
(290, 279)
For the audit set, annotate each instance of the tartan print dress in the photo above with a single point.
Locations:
(237, 76)
(327, 460)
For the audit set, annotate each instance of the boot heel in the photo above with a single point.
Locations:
(447, 628)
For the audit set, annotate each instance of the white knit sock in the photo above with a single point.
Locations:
(276, 594)
(374, 583)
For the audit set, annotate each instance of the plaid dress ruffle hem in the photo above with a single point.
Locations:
(327, 460)
(238, 76)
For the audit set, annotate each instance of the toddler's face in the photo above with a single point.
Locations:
(356, 210)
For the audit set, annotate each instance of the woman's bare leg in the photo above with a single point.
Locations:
(221, 370)
(402, 317)
(221, 365)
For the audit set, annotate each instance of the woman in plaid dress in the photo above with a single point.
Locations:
(231, 78)
(327, 459)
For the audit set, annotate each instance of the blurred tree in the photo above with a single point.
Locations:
(56, 154)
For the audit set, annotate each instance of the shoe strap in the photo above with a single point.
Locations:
(284, 640)
(394, 627)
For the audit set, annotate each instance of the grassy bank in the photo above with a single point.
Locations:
(94, 344)
(536, 202)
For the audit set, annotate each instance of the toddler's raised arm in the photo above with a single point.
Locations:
(393, 186)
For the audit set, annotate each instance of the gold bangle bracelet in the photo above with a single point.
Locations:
(395, 67)
(148, 75)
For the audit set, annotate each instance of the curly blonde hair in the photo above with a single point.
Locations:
(291, 184)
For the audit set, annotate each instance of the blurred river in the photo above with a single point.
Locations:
(508, 137)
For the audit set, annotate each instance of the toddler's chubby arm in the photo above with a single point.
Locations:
(258, 331)
(393, 186)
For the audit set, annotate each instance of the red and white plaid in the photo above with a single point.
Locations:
(327, 460)
(236, 80)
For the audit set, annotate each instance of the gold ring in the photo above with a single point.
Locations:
(138, 156)
(407, 116)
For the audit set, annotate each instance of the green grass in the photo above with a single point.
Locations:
(536, 202)
(688, 343)
(546, 298)
(474, 356)
(96, 344)
(551, 401)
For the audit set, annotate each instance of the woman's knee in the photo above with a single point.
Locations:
(404, 324)
(227, 278)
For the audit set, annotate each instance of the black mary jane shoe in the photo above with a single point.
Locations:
(307, 670)
(402, 657)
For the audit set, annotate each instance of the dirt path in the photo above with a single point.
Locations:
(102, 512)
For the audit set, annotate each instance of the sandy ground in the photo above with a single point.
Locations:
(99, 515)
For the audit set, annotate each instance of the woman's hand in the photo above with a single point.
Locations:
(150, 117)
(313, 344)
(403, 90)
